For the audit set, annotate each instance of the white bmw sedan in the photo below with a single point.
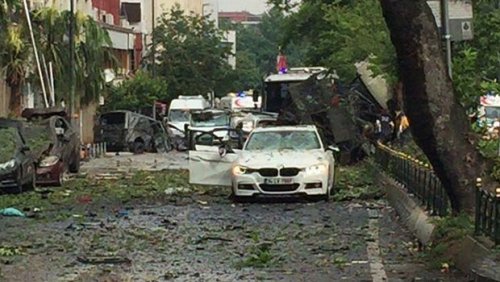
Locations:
(283, 160)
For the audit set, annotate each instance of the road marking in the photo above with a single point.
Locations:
(376, 266)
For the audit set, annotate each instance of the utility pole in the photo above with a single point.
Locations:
(445, 27)
(72, 61)
(37, 58)
(153, 51)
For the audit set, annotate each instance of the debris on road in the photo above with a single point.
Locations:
(103, 260)
(12, 212)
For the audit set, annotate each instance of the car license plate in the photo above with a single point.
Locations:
(278, 180)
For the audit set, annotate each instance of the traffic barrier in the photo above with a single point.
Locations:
(93, 151)
(418, 178)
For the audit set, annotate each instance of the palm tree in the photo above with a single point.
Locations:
(14, 50)
(50, 28)
(90, 56)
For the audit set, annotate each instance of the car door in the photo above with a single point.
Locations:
(208, 167)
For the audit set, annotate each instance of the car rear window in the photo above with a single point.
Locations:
(112, 118)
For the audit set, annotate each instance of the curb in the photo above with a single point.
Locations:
(474, 257)
(412, 215)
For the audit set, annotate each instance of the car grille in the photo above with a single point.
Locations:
(279, 188)
(268, 172)
(289, 171)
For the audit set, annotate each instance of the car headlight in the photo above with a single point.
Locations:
(247, 126)
(317, 169)
(49, 161)
(8, 165)
(239, 170)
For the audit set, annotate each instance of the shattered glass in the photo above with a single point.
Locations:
(38, 138)
(283, 140)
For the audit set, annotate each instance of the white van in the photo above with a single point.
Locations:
(180, 109)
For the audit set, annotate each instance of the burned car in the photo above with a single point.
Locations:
(129, 131)
(275, 161)
(17, 164)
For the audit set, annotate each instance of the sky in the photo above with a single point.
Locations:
(252, 6)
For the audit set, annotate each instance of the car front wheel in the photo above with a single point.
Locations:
(74, 166)
(31, 182)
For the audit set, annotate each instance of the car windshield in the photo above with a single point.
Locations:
(283, 140)
(38, 137)
(9, 143)
(178, 116)
(209, 119)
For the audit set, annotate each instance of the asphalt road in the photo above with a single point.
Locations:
(206, 237)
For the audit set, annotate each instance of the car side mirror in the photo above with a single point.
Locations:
(222, 151)
(333, 148)
(225, 149)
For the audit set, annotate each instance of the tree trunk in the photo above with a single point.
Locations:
(438, 122)
(16, 98)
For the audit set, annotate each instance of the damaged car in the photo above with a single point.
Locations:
(54, 143)
(274, 161)
(129, 131)
(247, 121)
(61, 153)
(17, 164)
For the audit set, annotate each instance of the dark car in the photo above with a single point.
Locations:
(61, 152)
(129, 131)
(17, 164)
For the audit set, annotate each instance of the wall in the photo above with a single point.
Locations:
(88, 113)
(4, 97)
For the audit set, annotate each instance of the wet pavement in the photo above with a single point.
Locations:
(207, 237)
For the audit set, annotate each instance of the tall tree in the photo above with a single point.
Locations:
(438, 121)
(189, 53)
(341, 33)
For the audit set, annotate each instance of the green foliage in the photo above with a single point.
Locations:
(448, 235)
(341, 33)
(65, 201)
(137, 93)
(259, 254)
(475, 62)
(50, 29)
(256, 51)
(356, 182)
(8, 251)
(189, 53)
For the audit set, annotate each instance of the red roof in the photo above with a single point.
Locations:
(243, 16)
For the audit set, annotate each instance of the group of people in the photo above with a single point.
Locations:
(391, 127)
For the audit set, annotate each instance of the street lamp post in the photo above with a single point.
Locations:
(72, 61)
(445, 23)
(153, 50)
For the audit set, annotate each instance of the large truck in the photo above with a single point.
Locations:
(307, 95)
